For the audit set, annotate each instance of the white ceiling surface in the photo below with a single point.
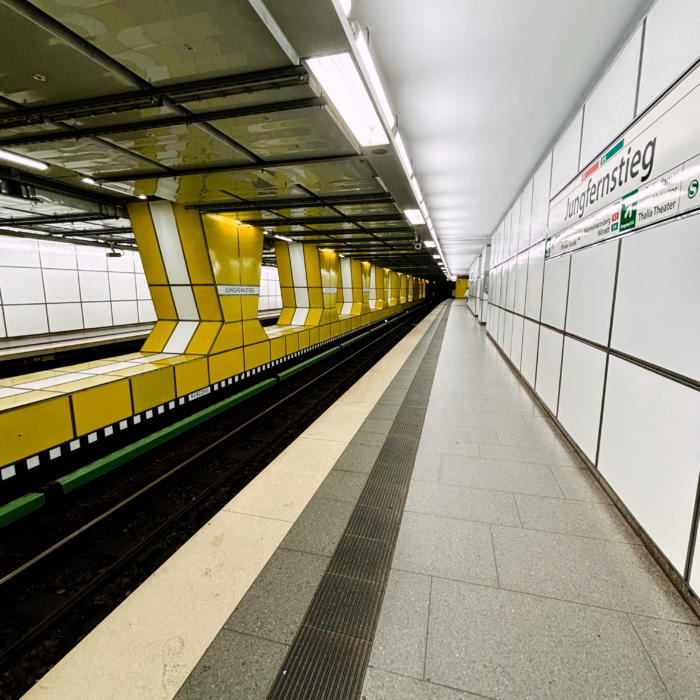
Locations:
(482, 89)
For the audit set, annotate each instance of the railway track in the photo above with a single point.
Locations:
(51, 601)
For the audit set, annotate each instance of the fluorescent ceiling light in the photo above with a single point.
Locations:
(416, 189)
(22, 160)
(338, 76)
(88, 181)
(340, 255)
(403, 155)
(437, 257)
(141, 196)
(374, 79)
(414, 216)
(284, 238)
(429, 244)
(347, 6)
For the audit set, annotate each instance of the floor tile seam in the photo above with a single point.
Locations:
(541, 596)
(465, 520)
(251, 635)
(432, 682)
(427, 628)
(515, 493)
(495, 558)
(647, 653)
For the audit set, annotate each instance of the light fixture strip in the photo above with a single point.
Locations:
(12, 157)
(340, 79)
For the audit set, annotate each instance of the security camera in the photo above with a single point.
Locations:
(417, 245)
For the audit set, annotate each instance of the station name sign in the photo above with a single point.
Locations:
(237, 290)
(650, 174)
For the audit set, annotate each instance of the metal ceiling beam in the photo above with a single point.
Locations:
(292, 203)
(310, 220)
(150, 97)
(231, 168)
(336, 242)
(56, 219)
(346, 231)
(164, 122)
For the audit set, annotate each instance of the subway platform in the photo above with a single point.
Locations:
(432, 536)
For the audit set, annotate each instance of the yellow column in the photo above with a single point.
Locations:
(393, 287)
(402, 288)
(180, 278)
(235, 251)
(409, 288)
(351, 280)
(309, 284)
(204, 276)
(376, 288)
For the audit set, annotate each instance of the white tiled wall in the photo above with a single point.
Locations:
(270, 294)
(632, 303)
(50, 287)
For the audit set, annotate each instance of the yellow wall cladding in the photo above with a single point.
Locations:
(159, 336)
(256, 355)
(153, 388)
(190, 376)
(100, 406)
(194, 246)
(225, 365)
(145, 235)
(31, 429)
(163, 302)
(203, 338)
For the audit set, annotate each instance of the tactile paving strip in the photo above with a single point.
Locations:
(330, 653)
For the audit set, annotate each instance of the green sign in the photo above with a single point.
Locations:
(692, 189)
(628, 215)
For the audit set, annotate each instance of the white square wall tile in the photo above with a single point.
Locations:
(671, 45)
(92, 258)
(591, 289)
(549, 367)
(55, 255)
(142, 290)
(124, 312)
(660, 324)
(556, 282)
(124, 263)
(507, 332)
(540, 201)
(21, 285)
(528, 364)
(525, 217)
(520, 283)
(28, 319)
(565, 155)
(3, 334)
(516, 345)
(122, 286)
(64, 317)
(61, 286)
(18, 252)
(581, 394)
(147, 312)
(650, 452)
(97, 314)
(94, 286)
(138, 263)
(535, 274)
(611, 106)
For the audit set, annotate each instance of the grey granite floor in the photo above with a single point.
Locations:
(514, 577)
